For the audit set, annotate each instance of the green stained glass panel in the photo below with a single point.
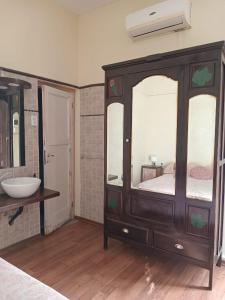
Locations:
(202, 76)
(115, 87)
(112, 203)
(197, 221)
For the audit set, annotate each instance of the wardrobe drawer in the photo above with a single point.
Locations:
(186, 248)
(129, 232)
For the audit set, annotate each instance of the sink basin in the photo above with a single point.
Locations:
(21, 187)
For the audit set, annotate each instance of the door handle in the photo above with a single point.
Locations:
(47, 156)
(125, 230)
(179, 246)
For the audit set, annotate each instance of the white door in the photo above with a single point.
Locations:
(57, 124)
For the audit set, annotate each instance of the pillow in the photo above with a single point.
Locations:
(190, 166)
(203, 173)
(169, 168)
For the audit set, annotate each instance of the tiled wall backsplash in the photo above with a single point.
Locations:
(92, 153)
(27, 224)
(92, 162)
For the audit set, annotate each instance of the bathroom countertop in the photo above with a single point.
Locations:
(8, 203)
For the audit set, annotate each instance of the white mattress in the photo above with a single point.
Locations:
(165, 184)
(17, 285)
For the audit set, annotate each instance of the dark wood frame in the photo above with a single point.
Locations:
(8, 203)
(171, 221)
(41, 158)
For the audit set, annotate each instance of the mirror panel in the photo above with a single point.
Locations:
(11, 138)
(201, 138)
(4, 134)
(16, 131)
(154, 131)
(115, 117)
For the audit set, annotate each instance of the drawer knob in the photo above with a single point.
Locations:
(125, 230)
(179, 246)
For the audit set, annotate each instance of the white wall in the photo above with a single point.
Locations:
(103, 39)
(38, 37)
(42, 38)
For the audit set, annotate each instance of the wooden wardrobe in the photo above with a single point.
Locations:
(164, 115)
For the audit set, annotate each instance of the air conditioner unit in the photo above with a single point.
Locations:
(170, 15)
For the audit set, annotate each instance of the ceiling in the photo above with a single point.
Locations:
(82, 6)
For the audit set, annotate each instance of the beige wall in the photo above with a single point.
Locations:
(42, 38)
(38, 37)
(103, 39)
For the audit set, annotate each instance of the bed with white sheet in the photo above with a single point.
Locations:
(17, 285)
(196, 188)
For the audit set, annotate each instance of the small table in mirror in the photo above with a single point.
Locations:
(150, 172)
(112, 177)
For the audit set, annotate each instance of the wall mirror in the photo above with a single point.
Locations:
(154, 130)
(12, 141)
(201, 136)
(115, 116)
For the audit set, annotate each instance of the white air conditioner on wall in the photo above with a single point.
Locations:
(170, 15)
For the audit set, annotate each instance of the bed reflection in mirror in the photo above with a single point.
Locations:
(201, 136)
(115, 115)
(154, 130)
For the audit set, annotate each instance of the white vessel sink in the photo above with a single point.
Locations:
(21, 187)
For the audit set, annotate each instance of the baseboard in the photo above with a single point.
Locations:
(91, 85)
(88, 221)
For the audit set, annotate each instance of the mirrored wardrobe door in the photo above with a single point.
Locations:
(115, 120)
(201, 140)
(154, 133)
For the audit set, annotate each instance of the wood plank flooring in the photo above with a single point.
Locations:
(72, 261)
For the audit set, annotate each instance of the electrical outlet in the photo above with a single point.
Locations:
(34, 121)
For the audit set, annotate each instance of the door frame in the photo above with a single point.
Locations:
(71, 91)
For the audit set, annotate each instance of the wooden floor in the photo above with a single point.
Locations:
(72, 261)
